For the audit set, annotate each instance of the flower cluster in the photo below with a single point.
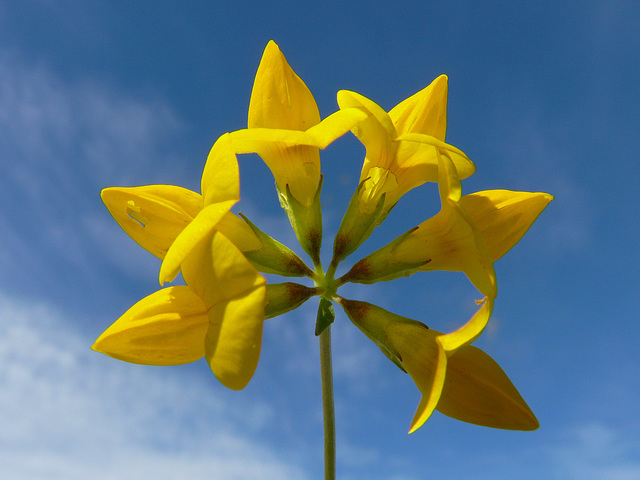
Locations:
(219, 313)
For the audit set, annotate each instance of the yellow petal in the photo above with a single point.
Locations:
(408, 155)
(217, 271)
(166, 328)
(221, 175)
(470, 330)
(424, 112)
(376, 133)
(426, 362)
(415, 145)
(234, 294)
(454, 242)
(279, 98)
(448, 241)
(504, 216)
(239, 232)
(288, 155)
(476, 390)
(336, 125)
(152, 215)
(234, 338)
(190, 237)
(409, 344)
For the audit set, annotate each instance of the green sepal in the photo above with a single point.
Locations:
(306, 221)
(284, 297)
(274, 257)
(326, 315)
(377, 267)
(356, 227)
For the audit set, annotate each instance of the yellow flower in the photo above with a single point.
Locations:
(219, 315)
(402, 144)
(402, 149)
(221, 311)
(468, 234)
(462, 382)
(284, 128)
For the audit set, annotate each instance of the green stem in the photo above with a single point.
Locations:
(326, 375)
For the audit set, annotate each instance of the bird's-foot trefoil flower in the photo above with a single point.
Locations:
(285, 129)
(220, 312)
(218, 315)
(464, 382)
(401, 148)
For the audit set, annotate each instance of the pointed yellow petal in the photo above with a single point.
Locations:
(234, 338)
(152, 215)
(190, 237)
(470, 330)
(221, 175)
(166, 328)
(478, 391)
(504, 216)
(409, 344)
(349, 99)
(424, 112)
(234, 294)
(429, 373)
(279, 98)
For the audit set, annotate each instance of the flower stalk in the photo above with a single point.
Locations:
(328, 410)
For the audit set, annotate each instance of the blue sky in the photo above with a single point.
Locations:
(542, 97)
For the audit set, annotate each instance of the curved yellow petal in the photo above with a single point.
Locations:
(221, 175)
(279, 98)
(411, 345)
(453, 240)
(476, 390)
(166, 328)
(234, 338)
(426, 362)
(193, 234)
(504, 216)
(336, 125)
(471, 330)
(152, 215)
(376, 132)
(424, 112)
(414, 146)
(234, 293)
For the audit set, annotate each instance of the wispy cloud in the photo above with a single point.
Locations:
(70, 413)
(62, 141)
(596, 451)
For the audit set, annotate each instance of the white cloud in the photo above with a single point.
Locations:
(70, 413)
(63, 140)
(596, 451)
